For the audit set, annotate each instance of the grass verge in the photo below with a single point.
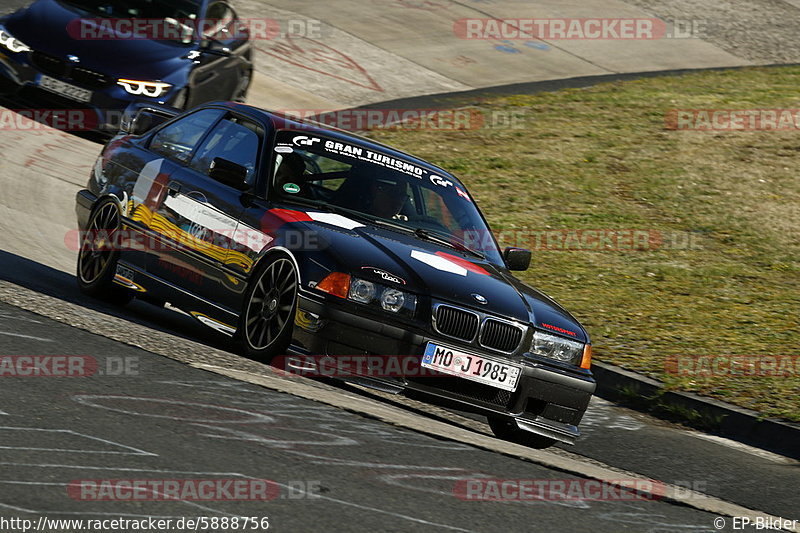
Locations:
(721, 273)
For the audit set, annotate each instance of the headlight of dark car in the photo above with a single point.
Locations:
(11, 43)
(369, 293)
(558, 348)
(153, 89)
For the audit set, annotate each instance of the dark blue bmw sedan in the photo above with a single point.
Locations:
(101, 56)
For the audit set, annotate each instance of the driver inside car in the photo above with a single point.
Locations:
(290, 172)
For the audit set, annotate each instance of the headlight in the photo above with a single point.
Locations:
(369, 293)
(557, 348)
(153, 89)
(388, 298)
(362, 291)
(9, 42)
(393, 300)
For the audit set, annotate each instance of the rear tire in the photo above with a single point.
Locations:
(267, 320)
(98, 256)
(505, 428)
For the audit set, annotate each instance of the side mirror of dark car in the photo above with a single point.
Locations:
(517, 259)
(142, 121)
(229, 173)
(146, 121)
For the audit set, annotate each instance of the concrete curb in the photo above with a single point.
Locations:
(729, 421)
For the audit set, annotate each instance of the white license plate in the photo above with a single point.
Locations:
(473, 367)
(65, 89)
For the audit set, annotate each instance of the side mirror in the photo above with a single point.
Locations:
(229, 173)
(143, 121)
(517, 259)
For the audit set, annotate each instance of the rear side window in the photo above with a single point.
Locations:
(179, 139)
(234, 139)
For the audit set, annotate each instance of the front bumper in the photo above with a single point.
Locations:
(20, 82)
(548, 400)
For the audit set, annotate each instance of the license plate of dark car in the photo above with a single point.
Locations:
(65, 89)
(470, 366)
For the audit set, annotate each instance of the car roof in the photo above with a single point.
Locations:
(280, 121)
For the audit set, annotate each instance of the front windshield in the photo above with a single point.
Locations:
(383, 188)
(180, 16)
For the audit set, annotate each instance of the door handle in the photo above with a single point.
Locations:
(173, 188)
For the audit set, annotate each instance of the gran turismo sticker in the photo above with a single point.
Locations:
(366, 155)
(291, 188)
(440, 181)
(376, 158)
(304, 140)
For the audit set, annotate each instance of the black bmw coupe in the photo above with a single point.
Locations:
(295, 238)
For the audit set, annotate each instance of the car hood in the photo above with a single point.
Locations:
(52, 27)
(427, 268)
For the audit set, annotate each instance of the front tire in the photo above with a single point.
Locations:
(98, 256)
(265, 327)
(505, 428)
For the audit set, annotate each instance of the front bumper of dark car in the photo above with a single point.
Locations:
(549, 400)
(20, 82)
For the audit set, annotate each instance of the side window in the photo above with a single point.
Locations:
(234, 139)
(177, 140)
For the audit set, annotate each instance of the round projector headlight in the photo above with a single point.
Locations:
(362, 291)
(393, 300)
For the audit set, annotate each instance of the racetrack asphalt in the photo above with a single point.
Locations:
(150, 418)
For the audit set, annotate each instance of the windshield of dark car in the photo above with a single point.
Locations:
(181, 14)
(379, 186)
